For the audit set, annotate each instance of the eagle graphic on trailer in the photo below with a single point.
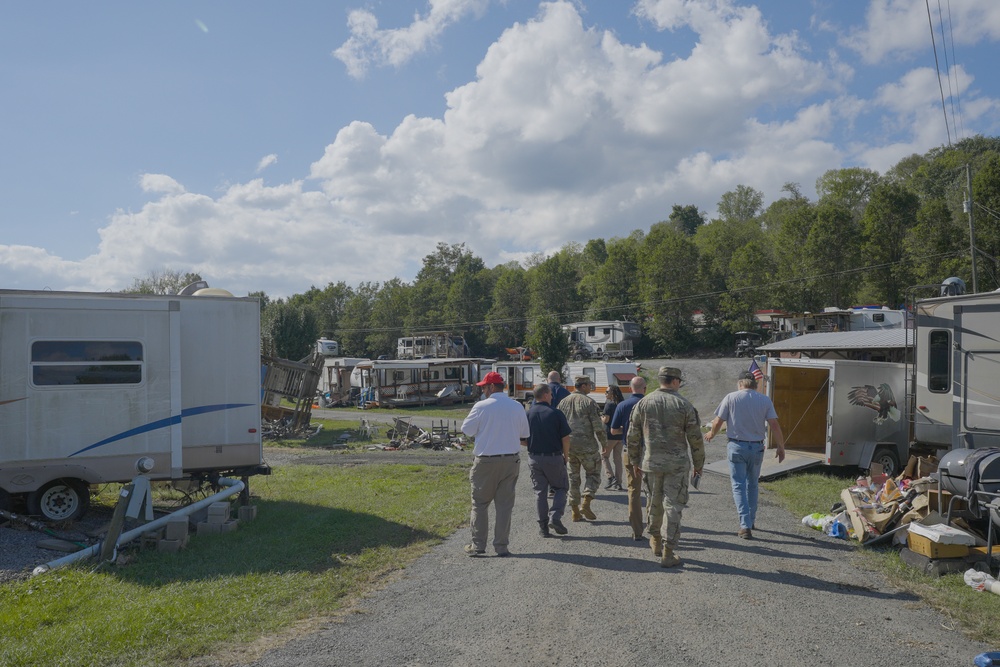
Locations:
(880, 399)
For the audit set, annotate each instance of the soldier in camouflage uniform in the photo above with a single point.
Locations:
(669, 426)
(587, 443)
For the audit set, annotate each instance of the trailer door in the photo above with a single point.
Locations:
(976, 385)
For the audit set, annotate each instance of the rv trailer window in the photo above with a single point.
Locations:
(90, 362)
(452, 373)
(878, 317)
(939, 361)
(528, 375)
(431, 375)
(590, 331)
(397, 376)
(592, 374)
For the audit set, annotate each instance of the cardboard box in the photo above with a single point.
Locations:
(934, 550)
(934, 497)
(943, 534)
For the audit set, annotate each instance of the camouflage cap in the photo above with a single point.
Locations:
(580, 379)
(669, 370)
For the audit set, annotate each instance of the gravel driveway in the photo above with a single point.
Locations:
(596, 597)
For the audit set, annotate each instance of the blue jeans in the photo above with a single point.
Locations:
(745, 459)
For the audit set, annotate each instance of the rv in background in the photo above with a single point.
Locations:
(408, 382)
(90, 384)
(601, 340)
(335, 381)
(434, 345)
(327, 348)
(520, 377)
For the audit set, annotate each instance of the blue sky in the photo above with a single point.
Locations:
(273, 146)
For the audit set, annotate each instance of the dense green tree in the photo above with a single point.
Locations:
(554, 285)
(612, 287)
(667, 273)
(986, 198)
(938, 245)
(469, 299)
(751, 274)
(432, 284)
(507, 319)
(550, 343)
(355, 321)
(788, 222)
(388, 309)
(292, 330)
(686, 219)
(166, 281)
(890, 214)
(849, 188)
(832, 251)
(595, 253)
(741, 205)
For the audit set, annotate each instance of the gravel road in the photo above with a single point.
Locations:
(789, 597)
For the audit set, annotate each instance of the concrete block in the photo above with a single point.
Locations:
(170, 546)
(149, 540)
(176, 528)
(247, 513)
(207, 528)
(230, 526)
(218, 512)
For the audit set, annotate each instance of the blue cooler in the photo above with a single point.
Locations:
(991, 659)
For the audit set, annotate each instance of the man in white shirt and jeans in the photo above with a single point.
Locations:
(499, 424)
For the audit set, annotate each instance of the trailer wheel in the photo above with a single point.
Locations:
(4, 501)
(605, 356)
(60, 500)
(888, 459)
(577, 357)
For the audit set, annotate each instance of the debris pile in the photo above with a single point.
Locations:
(441, 437)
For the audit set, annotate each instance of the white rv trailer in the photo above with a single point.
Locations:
(957, 371)
(602, 375)
(604, 339)
(434, 344)
(335, 387)
(91, 383)
(521, 377)
(409, 382)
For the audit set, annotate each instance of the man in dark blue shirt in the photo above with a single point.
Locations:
(633, 474)
(548, 451)
(559, 392)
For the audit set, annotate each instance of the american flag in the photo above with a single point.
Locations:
(755, 371)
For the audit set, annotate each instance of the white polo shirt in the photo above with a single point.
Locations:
(498, 424)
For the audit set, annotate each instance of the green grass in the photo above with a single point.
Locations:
(975, 613)
(322, 536)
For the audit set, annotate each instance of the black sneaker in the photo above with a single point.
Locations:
(543, 530)
(558, 526)
(611, 483)
(503, 554)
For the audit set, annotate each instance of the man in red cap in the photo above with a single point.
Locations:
(499, 425)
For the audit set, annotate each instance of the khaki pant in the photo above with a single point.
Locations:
(668, 495)
(591, 464)
(635, 517)
(493, 480)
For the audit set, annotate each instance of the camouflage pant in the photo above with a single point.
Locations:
(591, 464)
(668, 495)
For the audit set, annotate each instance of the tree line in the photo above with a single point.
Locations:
(866, 239)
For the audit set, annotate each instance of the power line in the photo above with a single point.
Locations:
(937, 67)
(954, 62)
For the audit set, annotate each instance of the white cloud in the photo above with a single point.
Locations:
(370, 46)
(266, 162)
(567, 133)
(160, 183)
(895, 28)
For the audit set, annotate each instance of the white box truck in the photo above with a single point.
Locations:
(92, 383)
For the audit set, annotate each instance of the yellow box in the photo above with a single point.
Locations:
(935, 550)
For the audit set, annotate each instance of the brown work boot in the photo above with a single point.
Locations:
(586, 511)
(668, 559)
(576, 513)
(656, 544)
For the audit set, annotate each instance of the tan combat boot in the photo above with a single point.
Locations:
(669, 559)
(585, 510)
(656, 544)
(576, 513)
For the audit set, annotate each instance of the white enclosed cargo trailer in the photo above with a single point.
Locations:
(91, 383)
(835, 412)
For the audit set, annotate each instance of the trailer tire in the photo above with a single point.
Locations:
(577, 357)
(5, 502)
(605, 356)
(888, 459)
(60, 500)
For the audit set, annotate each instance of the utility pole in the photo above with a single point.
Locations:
(972, 228)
